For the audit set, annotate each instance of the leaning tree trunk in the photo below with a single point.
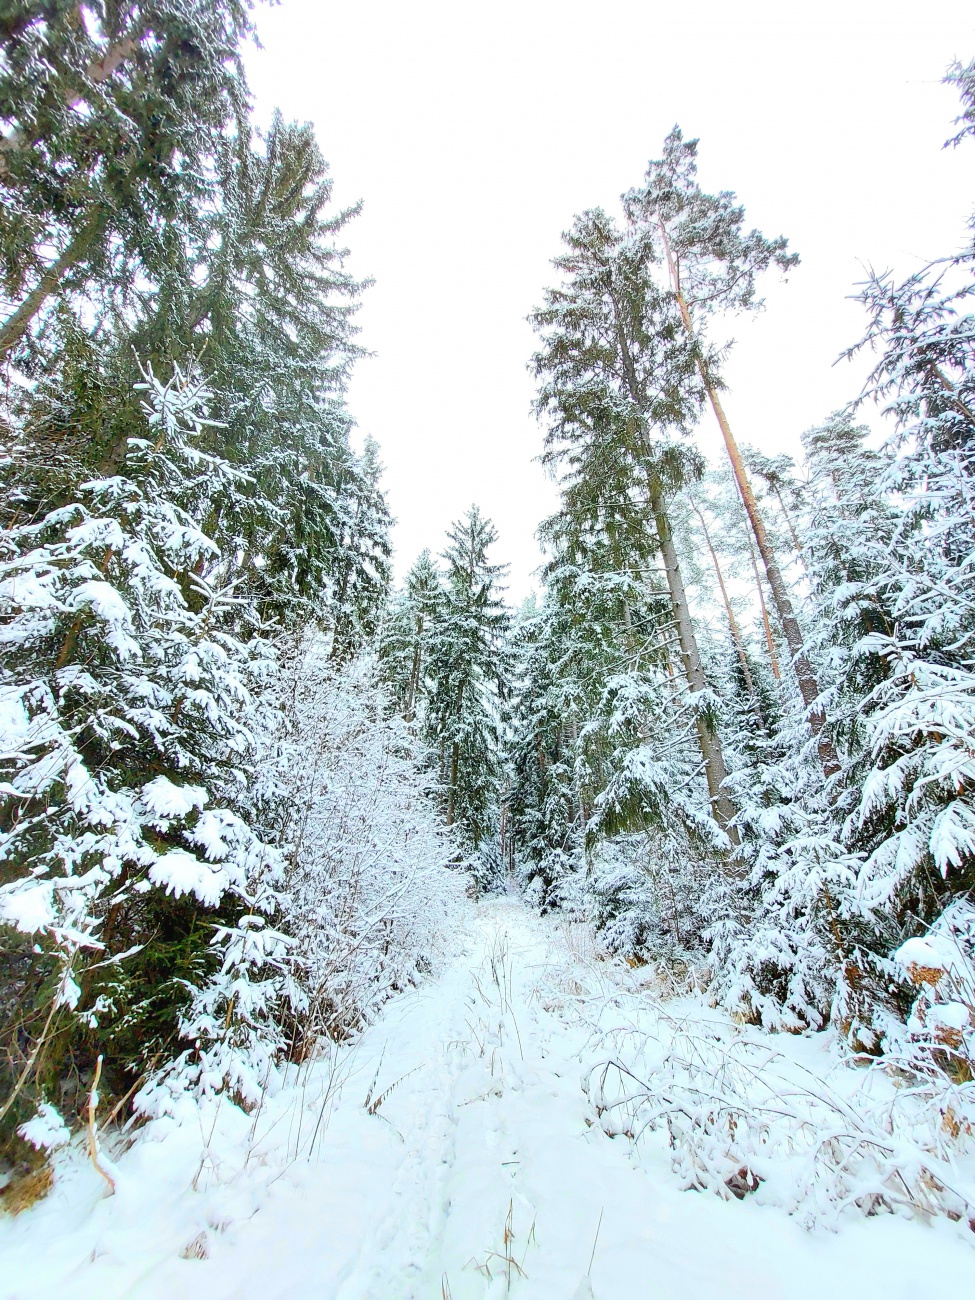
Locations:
(16, 325)
(767, 626)
(714, 767)
(789, 524)
(808, 685)
(708, 740)
(736, 636)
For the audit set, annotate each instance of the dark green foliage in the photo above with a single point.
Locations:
(467, 666)
(115, 114)
(443, 654)
(197, 252)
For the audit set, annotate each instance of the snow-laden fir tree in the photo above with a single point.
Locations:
(548, 803)
(191, 247)
(113, 115)
(141, 898)
(409, 625)
(468, 673)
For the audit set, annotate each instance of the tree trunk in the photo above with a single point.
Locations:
(710, 744)
(791, 526)
(16, 325)
(414, 685)
(714, 768)
(770, 644)
(808, 685)
(736, 636)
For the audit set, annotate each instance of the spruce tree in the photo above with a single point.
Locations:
(406, 636)
(124, 832)
(115, 115)
(912, 590)
(468, 671)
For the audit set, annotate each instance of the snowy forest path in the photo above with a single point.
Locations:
(501, 1186)
(450, 1153)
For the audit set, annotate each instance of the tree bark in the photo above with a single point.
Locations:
(770, 644)
(16, 325)
(790, 525)
(808, 686)
(714, 766)
(709, 743)
(736, 636)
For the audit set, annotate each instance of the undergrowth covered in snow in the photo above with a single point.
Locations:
(541, 1118)
(795, 1121)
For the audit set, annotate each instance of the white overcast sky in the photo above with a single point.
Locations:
(474, 131)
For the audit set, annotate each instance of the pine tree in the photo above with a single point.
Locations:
(361, 569)
(155, 529)
(407, 632)
(555, 776)
(617, 383)
(714, 266)
(126, 757)
(272, 320)
(913, 593)
(263, 300)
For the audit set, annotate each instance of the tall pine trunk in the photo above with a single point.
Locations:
(786, 515)
(708, 740)
(808, 686)
(766, 625)
(736, 636)
(710, 746)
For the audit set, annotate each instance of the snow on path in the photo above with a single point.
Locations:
(453, 1159)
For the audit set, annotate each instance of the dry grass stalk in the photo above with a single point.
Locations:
(373, 1106)
(198, 1248)
(24, 1192)
(92, 1130)
(505, 1256)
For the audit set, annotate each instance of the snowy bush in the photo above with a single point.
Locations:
(940, 1032)
(645, 896)
(372, 899)
(739, 1118)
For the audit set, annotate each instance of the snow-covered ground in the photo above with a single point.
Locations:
(452, 1152)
